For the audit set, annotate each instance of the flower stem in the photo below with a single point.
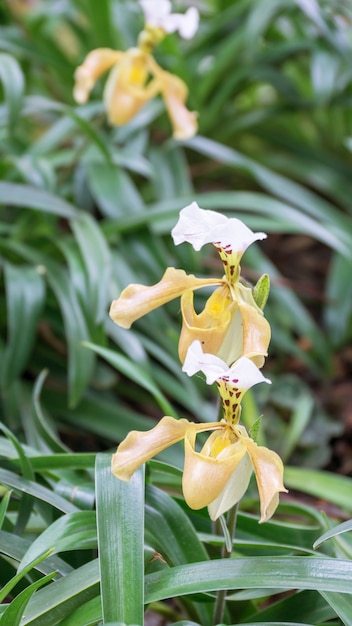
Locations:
(220, 602)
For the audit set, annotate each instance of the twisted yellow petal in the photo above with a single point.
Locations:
(268, 469)
(139, 447)
(184, 122)
(256, 334)
(175, 92)
(94, 65)
(137, 300)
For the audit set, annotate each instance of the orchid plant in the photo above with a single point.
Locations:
(228, 343)
(134, 75)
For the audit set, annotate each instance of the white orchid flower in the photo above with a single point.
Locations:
(157, 14)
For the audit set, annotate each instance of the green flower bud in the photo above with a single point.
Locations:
(261, 291)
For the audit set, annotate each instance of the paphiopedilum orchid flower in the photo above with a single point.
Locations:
(158, 14)
(219, 474)
(135, 77)
(231, 324)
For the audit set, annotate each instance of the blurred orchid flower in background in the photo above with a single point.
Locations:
(134, 75)
(219, 474)
(231, 324)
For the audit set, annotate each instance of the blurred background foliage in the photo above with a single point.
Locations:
(86, 209)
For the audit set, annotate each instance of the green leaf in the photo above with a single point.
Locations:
(74, 531)
(333, 532)
(36, 490)
(170, 529)
(338, 308)
(25, 196)
(302, 606)
(12, 79)
(135, 372)
(113, 190)
(81, 361)
(26, 503)
(6, 589)
(44, 429)
(342, 605)
(4, 506)
(77, 460)
(298, 423)
(15, 547)
(25, 291)
(50, 605)
(87, 614)
(281, 572)
(331, 487)
(14, 613)
(120, 523)
(101, 23)
(97, 260)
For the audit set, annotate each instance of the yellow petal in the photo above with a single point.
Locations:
(268, 470)
(256, 334)
(204, 476)
(137, 300)
(184, 122)
(126, 90)
(139, 447)
(94, 65)
(248, 334)
(209, 326)
(234, 489)
(175, 92)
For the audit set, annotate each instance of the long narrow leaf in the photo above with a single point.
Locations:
(36, 490)
(25, 290)
(135, 372)
(342, 605)
(12, 80)
(282, 572)
(69, 532)
(326, 485)
(333, 532)
(14, 613)
(46, 608)
(25, 196)
(120, 523)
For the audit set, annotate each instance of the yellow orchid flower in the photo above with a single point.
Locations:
(219, 474)
(135, 77)
(231, 324)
